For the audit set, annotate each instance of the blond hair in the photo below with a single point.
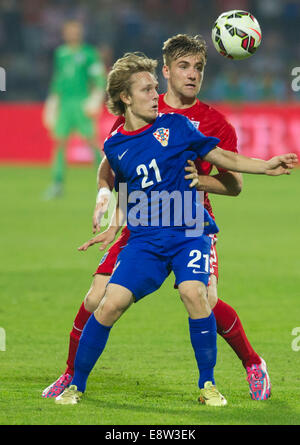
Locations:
(119, 78)
(183, 45)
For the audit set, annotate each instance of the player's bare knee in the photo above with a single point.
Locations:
(96, 292)
(91, 301)
(111, 307)
(107, 311)
(194, 298)
(212, 291)
(193, 291)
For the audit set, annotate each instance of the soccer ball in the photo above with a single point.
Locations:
(236, 34)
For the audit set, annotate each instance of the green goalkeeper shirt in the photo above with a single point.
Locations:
(76, 71)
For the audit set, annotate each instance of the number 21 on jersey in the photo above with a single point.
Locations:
(142, 169)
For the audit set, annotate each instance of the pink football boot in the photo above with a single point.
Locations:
(259, 381)
(57, 387)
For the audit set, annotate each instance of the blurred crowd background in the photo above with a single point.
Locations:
(30, 30)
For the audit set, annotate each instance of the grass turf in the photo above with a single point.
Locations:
(147, 374)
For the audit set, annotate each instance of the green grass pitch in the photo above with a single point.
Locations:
(147, 375)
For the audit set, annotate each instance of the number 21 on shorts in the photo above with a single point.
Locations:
(199, 262)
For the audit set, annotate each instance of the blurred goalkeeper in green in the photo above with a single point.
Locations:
(76, 95)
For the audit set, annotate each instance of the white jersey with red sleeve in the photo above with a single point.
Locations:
(211, 123)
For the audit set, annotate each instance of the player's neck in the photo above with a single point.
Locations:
(74, 45)
(134, 123)
(178, 101)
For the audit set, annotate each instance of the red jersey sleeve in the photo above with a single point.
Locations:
(228, 139)
(119, 121)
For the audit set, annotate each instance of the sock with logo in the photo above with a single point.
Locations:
(203, 334)
(229, 326)
(80, 321)
(91, 345)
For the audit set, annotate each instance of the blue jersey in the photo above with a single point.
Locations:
(151, 163)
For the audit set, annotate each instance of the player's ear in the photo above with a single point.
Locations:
(202, 74)
(125, 97)
(166, 72)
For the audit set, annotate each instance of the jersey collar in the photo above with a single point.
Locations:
(132, 133)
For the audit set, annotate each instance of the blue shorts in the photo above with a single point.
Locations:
(146, 261)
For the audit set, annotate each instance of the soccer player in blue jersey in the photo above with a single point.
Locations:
(148, 154)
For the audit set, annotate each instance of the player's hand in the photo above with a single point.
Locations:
(50, 111)
(91, 113)
(100, 209)
(193, 174)
(281, 165)
(105, 238)
(92, 106)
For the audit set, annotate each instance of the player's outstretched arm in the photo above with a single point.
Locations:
(225, 183)
(278, 165)
(282, 164)
(105, 184)
(105, 175)
(107, 237)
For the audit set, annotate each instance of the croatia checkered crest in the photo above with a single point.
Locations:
(162, 135)
(236, 34)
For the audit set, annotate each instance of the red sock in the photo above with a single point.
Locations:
(80, 320)
(229, 326)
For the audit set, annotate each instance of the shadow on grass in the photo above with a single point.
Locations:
(193, 413)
